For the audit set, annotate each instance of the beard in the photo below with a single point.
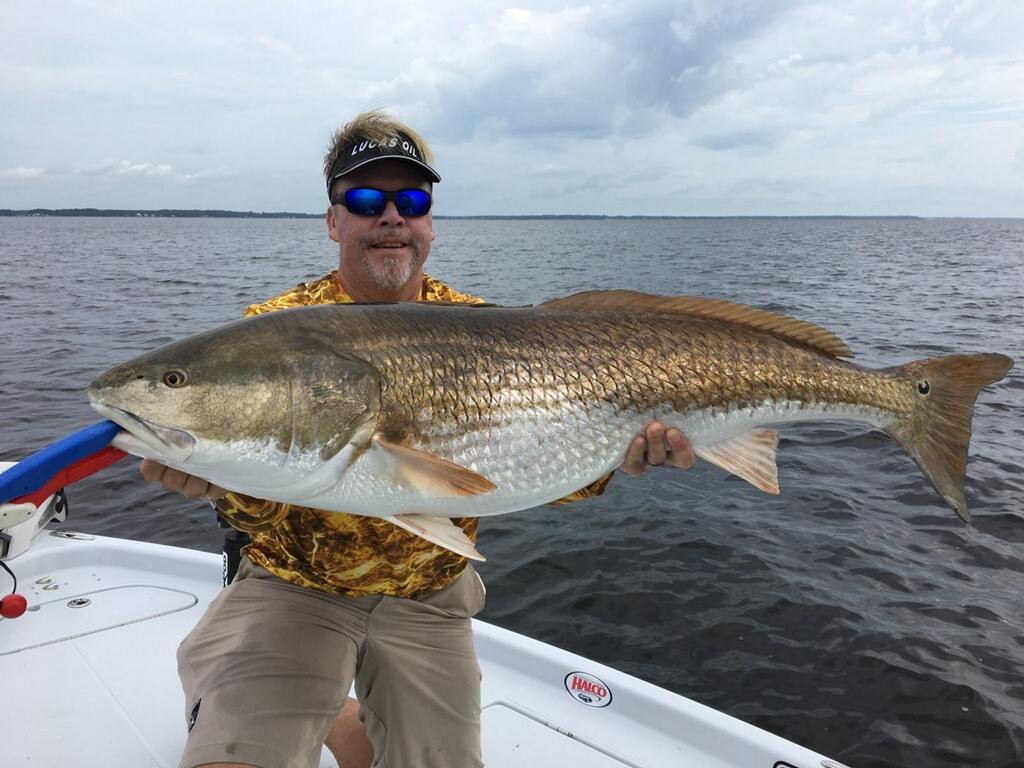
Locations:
(390, 271)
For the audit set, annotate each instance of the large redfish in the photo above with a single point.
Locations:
(422, 412)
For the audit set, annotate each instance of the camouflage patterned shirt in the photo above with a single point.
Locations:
(339, 553)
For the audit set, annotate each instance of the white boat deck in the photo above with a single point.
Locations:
(96, 685)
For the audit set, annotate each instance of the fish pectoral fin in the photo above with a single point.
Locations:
(750, 456)
(427, 472)
(440, 531)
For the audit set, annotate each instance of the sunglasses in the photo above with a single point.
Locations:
(367, 201)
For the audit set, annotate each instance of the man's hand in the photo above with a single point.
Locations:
(175, 480)
(655, 447)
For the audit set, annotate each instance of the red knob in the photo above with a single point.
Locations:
(12, 606)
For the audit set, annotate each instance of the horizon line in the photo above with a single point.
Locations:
(226, 213)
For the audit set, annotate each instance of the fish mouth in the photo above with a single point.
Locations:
(166, 442)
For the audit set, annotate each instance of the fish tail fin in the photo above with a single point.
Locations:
(938, 434)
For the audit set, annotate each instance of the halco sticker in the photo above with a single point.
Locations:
(588, 689)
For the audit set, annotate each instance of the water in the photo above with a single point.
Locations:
(854, 613)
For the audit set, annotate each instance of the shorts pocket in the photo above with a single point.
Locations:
(461, 599)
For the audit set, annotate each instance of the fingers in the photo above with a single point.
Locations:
(214, 492)
(180, 482)
(681, 452)
(655, 443)
(635, 456)
(655, 447)
(152, 470)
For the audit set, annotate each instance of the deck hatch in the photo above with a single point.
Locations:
(63, 617)
(514, 738)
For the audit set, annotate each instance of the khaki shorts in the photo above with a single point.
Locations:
(270, 665)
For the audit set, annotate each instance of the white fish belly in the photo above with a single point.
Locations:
(532, 456)
(535, 457)
(711, 426)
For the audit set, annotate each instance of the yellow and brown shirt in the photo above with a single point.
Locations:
(348, 554)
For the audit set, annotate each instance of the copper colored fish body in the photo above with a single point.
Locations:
(420, 412)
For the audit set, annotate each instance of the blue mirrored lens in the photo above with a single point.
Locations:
(412, 202)
(366, 201)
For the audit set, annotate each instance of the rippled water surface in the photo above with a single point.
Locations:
(854, 613)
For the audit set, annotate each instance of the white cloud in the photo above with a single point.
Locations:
(655, 106)
(128, 168)
(22, 173)
(120, 168)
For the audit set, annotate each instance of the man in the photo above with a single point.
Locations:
(322, 599)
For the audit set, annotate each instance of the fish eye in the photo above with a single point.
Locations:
(924, 387)
(175, 378)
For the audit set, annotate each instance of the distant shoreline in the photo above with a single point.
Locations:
(172, 213)
(162, 213)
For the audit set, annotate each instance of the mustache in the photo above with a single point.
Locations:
(386, 237)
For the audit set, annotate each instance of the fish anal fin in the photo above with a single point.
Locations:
(783, 326)
(750, 456)
(440, 531)
(432, 474)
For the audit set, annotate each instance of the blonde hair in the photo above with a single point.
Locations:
(376, 126)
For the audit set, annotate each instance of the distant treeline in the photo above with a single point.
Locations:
(195, 214)
(597, 216)
(163, 213)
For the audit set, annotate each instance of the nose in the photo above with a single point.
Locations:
(390, 217)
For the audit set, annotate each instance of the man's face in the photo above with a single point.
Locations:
(381, 256)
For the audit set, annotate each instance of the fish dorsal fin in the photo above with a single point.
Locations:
(432, 474)
(440, 531)
(789, 328)
(750, 456)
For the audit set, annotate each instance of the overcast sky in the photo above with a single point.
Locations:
(704, 107)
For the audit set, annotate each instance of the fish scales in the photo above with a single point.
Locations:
(506, 391)
(523, 408)
(472, 372)
(456, 411)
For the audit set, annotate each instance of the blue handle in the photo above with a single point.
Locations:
(33, 472)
